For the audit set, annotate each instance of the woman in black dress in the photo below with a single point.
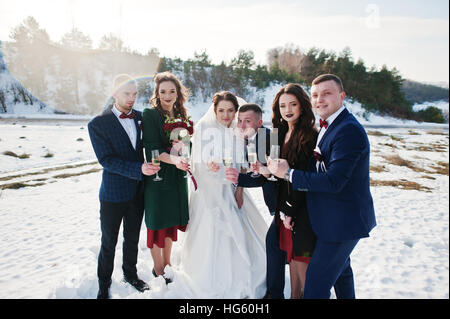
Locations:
(297, 135)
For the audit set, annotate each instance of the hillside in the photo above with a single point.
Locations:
(420, 92)
(70, 80)
(14, 98)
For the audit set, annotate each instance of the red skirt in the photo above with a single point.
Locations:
(287, 245)
(158, 236)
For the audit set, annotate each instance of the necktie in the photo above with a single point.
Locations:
(127, 116)
(323, 123)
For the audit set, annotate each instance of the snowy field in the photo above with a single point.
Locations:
(50, 230)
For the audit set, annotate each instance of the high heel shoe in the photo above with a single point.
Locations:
(168, 280)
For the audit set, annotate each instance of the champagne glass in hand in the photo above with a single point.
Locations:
(227, 160)
(252, 157)
(185, 154)
(212, 164)
(156, 162)
(274, 155)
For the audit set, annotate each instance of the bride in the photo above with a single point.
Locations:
(224, 248)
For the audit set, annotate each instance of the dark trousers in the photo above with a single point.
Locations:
(111, 216)
(330, 266)
(276, 262)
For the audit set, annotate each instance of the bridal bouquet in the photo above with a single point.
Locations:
(180, 125)
(177, 124)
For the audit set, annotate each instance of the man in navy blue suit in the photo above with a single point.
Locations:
(337, 183)
(250, 125)
(115, 137)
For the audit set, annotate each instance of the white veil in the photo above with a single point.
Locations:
(211, 140)
(223, 253)
(209, 119)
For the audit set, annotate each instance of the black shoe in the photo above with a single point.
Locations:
(168, 280)
(103, 293)
(137, 283)
(103, 290)
(267, 296)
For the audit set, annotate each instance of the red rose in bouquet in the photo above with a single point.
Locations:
(178, 123)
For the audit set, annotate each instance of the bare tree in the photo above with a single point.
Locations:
(289, 58)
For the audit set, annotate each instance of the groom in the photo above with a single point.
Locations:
(250, 126)
(338, 194)
(115, 137)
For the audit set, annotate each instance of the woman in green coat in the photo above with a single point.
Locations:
(166, 201)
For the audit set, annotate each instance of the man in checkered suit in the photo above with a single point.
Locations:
(115, 137)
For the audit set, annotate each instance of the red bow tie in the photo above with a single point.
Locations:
(323, 123)
(127, 116)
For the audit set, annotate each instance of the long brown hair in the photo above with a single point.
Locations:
(225, 96)
(182, 94)
(305, 132)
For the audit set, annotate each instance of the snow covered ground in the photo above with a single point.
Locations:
(50, 230)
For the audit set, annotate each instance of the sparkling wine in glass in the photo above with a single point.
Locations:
(252, 157)
(274, 155)
(185, 154)
(212, 160)
(227, 159)
(156, 162)
(227, 162)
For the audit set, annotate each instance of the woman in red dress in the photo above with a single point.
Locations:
(297, 134)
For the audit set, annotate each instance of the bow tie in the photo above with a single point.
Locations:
(323, 123)
(127, 116)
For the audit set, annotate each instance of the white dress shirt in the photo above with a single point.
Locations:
(322, 131)
(128, 125)
(252, 139)
(330, 120)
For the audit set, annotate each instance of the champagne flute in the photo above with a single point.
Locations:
(274, 155)
(156, 162)
(185, 154)
(252, 157)
(211, 160)
(227, 159)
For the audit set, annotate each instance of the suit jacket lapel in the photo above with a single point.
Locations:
(335, 123)
(119, 128)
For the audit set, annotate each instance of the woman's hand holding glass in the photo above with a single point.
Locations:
(186, 154)
(232, 175)
(177, 145)
(274, 155)
(260, 168)
(213, 166)
(181, 163)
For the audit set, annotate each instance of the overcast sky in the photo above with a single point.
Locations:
(411, 35)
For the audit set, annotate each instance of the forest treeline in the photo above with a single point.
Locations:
(378, 90)
(76, 77)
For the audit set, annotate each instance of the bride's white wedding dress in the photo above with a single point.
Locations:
(224, 254)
